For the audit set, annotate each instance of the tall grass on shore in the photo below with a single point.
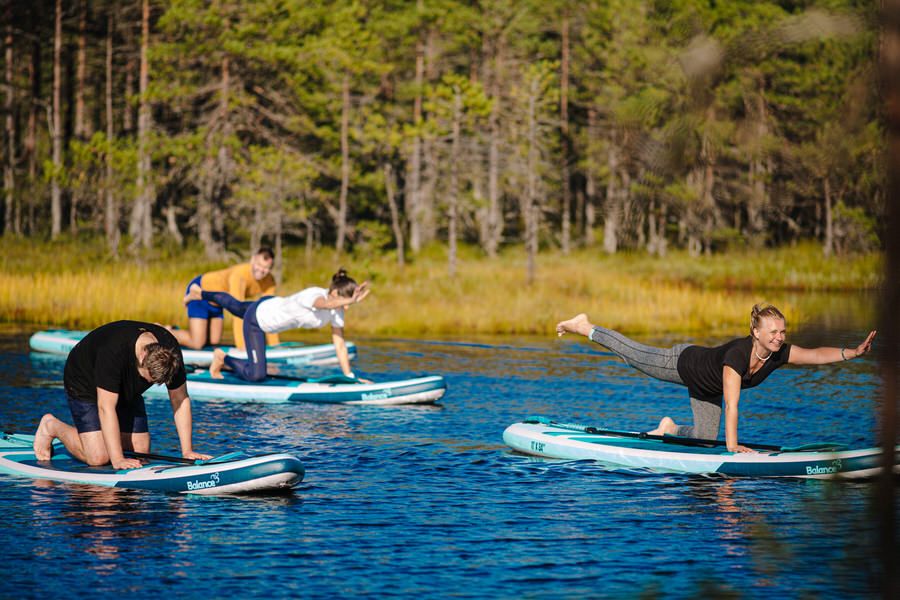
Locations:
(74, 284)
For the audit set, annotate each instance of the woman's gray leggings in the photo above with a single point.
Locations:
(662, 364)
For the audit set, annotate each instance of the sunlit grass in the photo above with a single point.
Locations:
(76, 285)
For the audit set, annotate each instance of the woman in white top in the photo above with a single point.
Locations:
(309, 309)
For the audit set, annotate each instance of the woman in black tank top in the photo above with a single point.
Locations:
(715, 376)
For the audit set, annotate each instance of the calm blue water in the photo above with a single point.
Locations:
(425, 502)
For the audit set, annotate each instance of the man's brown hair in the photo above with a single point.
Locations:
(162, 362)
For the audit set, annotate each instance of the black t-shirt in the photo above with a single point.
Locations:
(701, 368)
(105, 359)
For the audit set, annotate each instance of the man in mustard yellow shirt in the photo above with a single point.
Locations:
(243, 281)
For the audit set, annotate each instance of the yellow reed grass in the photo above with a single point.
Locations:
(85, 299)
(486, 299)
(67, 286)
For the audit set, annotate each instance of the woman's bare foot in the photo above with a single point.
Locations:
(577, 324)
(666, 427)
(195, 292)
(43, 439)
(218, 361)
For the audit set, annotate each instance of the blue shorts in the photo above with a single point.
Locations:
(201, 309)
(132, 417)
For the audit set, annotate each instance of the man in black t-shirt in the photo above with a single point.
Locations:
(105, 376)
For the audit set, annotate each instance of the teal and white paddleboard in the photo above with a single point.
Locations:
(539, 436)
(61, 341)
(223, 475)
(336, 389)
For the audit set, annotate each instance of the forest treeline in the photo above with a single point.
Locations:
(371, 125)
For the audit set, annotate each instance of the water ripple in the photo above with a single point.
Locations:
(427, 502)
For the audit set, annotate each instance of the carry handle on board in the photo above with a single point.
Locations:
(150, 456)
(680, 440)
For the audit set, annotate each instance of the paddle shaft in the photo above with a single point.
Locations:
(668, 439)
(188, 461)
(678, 440)
(178, 459)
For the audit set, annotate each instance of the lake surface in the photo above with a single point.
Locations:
(426, 502)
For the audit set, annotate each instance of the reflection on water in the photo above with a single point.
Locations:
(427, 502)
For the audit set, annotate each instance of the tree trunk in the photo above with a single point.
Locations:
(81, 130)
(453, 199)
(756, 226)
(141, 217)
(310, 240)
(590, 183)
(693, 218)
(431, 170)
(56, 127)
(531, 201)
(34, 79)
(112, 206)
(9, 183)
(221, 184)
(495, 208)
(710, 158)
(564, 130)
(714, 220)
(414, 177)
(276, 196)
(495, 222)
(345, 162)
(214, 174)
(395, 214)
(613, 217)
(128, 108)
(172, 222)
(203, 220)
(656, 224)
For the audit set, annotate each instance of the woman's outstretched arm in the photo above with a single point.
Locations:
(828, 354)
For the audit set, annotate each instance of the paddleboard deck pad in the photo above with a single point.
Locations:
(218, 476)
(336, 389)
(539, 436)
(61, 341)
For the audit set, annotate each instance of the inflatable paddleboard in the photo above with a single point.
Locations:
(539, 436)
(336, 389)
(61, 341)
(223, 475)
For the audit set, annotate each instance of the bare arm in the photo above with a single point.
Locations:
(731, 390)
(827, 354)
(340, 348)
(181, 409)
(361, 292)
(112, 436)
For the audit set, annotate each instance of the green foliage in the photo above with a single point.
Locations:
(373, 237)
(856, 231)
(726, 120)
(440, 100)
